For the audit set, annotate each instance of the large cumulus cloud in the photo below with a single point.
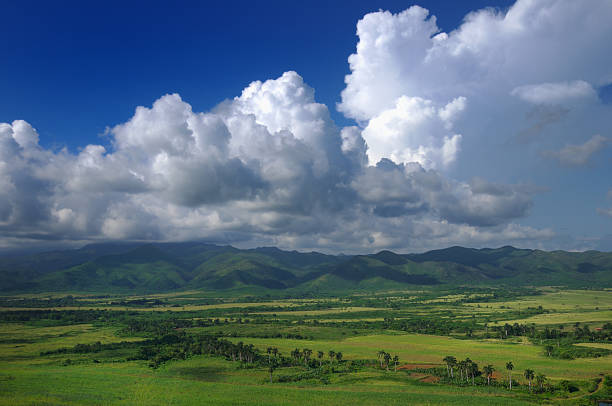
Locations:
(422, 94)
(269, 166)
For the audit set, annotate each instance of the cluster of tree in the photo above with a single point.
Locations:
(307, 357)
(565, 350)
(511, 330)
(384, 356)
(179, 345)
(63, 317)
(258, 334)
(422, 325)
(37, 302)
(579, 333)
(96, 347)
(468, 369)
(139, 302)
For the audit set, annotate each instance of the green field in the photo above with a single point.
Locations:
(559, 300)
(48, 357)
(204, 380)
(427, 349)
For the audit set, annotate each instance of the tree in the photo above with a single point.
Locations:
(449, 360)
(387, 359)
(488, 370)
(320, 357)
(381, 355)
(453, 364)
(529, 375)
(339, 356)
(541, 380)
(510, 367)
(272, 366)
(549, 349)
(395, 362)
(269, 351)
(467, 364)
(331, 354)
(296, 354)
(306, 353)
(473, 370)
(464, 367)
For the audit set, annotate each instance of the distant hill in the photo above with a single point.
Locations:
(159, 267)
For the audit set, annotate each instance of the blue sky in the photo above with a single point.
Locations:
(487, 130)
(102, 59)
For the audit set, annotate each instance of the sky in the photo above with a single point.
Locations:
(346, 126)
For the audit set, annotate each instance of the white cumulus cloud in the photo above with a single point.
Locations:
(481, 79)
(269, 166)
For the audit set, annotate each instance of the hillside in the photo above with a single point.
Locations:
(170, 266)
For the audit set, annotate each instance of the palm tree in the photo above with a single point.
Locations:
(468, 366)
(381, 355)
(529, 374)
(488, 370)
(395, 362)
(320, 357)
(296, 354)
(453, 364)
(473, 368)
(449, 359)
(541, 380)
(273, 365)
(461, 366)
(331, 354)
(549, 349)
(510, 367)
(306, 353)
(387, 359)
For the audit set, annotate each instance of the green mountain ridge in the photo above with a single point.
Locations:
(159, 267)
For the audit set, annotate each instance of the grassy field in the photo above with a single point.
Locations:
(595, 316)
(326, 312)
(29, 379)
(558, 300)
(427, 349)
(40, 367)
(203, 380)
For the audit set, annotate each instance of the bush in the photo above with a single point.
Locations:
(568, 386)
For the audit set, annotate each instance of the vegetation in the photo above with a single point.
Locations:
(248, 344)
(166, 267)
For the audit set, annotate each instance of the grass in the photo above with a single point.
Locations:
(19, 342)
(204, 380)
(427, 349)
(607, 346)
(565, 318)
(338, 310)
(27, 378)
(557, 300)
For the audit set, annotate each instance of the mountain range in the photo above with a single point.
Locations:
(159, 267)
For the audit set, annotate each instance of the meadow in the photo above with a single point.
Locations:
(198, 349)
